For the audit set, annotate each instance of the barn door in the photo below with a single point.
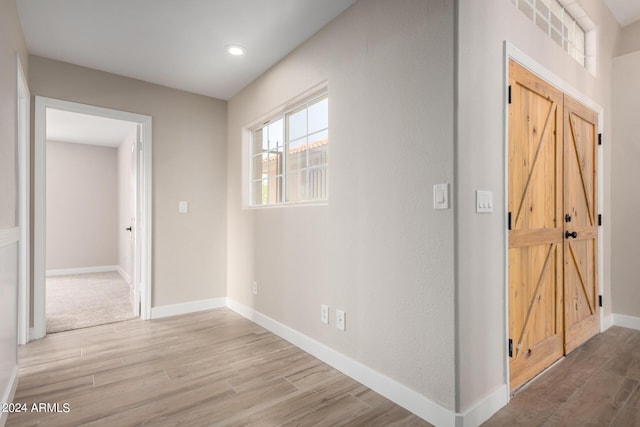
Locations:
(552, 225)
(581, 224)
(536, 241)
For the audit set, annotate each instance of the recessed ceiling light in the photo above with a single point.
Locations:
(235, 50)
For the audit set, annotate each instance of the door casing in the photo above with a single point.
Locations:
(143, 234)
(511, 52)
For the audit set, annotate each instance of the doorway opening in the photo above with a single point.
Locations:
(92, 216)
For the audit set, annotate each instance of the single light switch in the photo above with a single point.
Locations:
(183, 207)
(484, 201)
(441, 196)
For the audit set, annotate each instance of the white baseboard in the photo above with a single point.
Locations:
(484, 409)
(187, 307)
(8, 394)
(626, 321)
(82, 270)
(389, 388)
(124, 274)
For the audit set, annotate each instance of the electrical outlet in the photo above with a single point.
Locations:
(324, 314)
(341, 320)
(254, 288)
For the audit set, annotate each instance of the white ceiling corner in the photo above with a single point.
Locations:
(179, 44)
(626, 12)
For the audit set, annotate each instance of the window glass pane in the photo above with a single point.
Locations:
(297, 124)
(297, 154)
(318, 155)
(319, 115)
(556, 23)
(556, 8)
(275, 189)
(542, 23)
(276, 135)
(297, 186)
(543, 10)
(265, 165)
(579, 40)
(526, 8)
(264, 196)
(318, 183)
(556, 37)
(256, 141)
(571, 32)
(319, 138)
(275, 163)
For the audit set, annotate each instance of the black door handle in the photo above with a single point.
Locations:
(567, 218)
(568, 234)
(129, 229)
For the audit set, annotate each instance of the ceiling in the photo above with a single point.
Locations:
(626, 11)
(80, 128)
(179, 44)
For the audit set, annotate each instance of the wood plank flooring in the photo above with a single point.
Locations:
(212, 368)
(598, 384)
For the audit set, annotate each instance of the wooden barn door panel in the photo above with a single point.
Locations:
(553, 234)
(580, 203)
(535, 237)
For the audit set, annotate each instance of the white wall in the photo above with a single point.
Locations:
(11, 43)
(126, 190)
(625, 177)
(189, 163)
(377, 250)
(484, 26)
(82, 206)
(629, 40)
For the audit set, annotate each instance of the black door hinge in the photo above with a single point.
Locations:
(510, 347)
(509, 94)
(600, 300)
(599, 139)
(509, 221)
(599, 219)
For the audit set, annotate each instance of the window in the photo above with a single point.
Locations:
(563, 21)
(290, 155)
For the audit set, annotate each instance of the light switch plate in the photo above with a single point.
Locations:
(484, 201)
(341, 320)
(324, 314)
(441, 196)
(183, 207)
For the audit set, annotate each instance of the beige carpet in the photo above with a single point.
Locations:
(84, 300)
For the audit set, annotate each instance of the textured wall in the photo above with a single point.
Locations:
(11, 45)
(629, 41)
(82, 205)
(484, 26)
(378, 250)
(189, 163)
(625, 176)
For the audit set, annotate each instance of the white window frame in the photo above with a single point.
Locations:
(301, 102)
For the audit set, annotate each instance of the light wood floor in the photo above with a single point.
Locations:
(598, 384)
(212, 368)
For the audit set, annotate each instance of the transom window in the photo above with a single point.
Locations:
(563, 21)
(290, 155)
